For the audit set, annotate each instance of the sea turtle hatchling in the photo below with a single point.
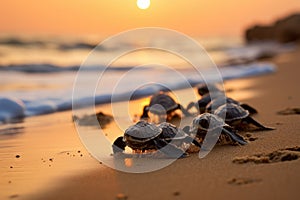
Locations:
(212, 98)
(204, 89)
(212, 124)
(144, 136)
(217, 102)
(204, 92)
(162, 104)
(238, 117)
(170, 133)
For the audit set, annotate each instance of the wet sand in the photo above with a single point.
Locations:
(53, 163)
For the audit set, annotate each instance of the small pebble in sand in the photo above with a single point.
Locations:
(18, 156)
(49, 165)
(11, 167)
(81, 155)
(176, 193)
(100, 163)
(251, 139)
(51, 159)
(121, 196)
(9, 182)
(78, 151)
(13, 196)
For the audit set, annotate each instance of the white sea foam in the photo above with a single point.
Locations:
(55, 91)
(11, 108)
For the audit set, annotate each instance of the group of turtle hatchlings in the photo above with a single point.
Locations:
(216, 114)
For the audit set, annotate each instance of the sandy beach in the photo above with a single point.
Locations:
(46, 159)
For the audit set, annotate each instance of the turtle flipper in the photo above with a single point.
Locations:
(190, 105)
(169, 149)
(119, 145)
(234, 136)
(249, 108)
(250, 120)
(145, 113)
(184, 111)
(186, 129)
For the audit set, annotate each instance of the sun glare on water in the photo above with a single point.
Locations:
(143, 4)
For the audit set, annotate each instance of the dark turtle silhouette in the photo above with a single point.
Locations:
(206, 97)
(171, 133)
(216, 103)
(238, 117)
(204, 89)
(162, 104)
(214, 124)
(201, 104)
(145, 136)
(208, 102)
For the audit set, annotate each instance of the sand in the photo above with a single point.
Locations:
(53, 163)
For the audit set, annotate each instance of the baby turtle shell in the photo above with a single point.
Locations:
(231, 112)
(216, 103)
(163, 100)
(145, 136)
(163, 104)
(169, 131)
(206, 121)
(239, 118)
(142, 131)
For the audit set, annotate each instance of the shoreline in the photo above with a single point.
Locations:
(35, 176)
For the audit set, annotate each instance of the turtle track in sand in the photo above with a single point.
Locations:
(242, 181)
(281, 155)
(289, 111)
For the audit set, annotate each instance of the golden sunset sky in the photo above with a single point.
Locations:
(194, 17)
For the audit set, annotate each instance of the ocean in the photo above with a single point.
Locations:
(37, 74)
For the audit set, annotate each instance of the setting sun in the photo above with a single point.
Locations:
(143, 4)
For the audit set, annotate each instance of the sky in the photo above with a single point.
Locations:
(105, 17)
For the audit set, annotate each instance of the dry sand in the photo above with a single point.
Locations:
(53, 163)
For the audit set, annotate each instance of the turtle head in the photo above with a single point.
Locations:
(119, 145)
(145, 113)
(203, 123)
(204, 89)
